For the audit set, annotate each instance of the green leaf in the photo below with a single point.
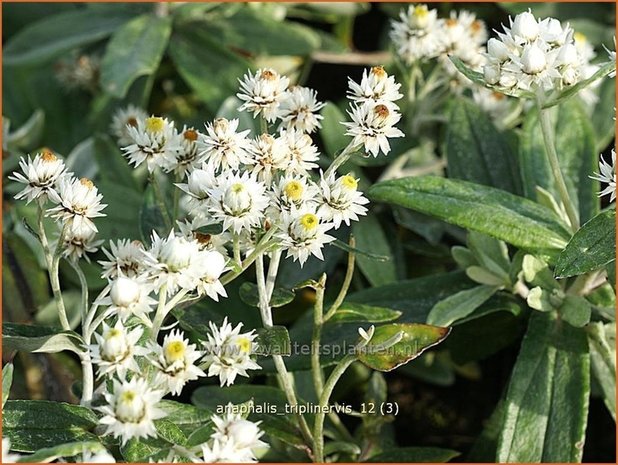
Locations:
(7, 381)
(24, 283)
(44, 339)
(184, 415)
(274, 340)
(331, 134)
(575, 145)
(602, 343)
(37, 424)
(134, 50)
(116, 168)
(151, 217)
(258, 34)
(491, 211)
(170, 432)
(211, 70)
(415, 455)
(575, 310)
(371, 256)
(416, 339)
(370, 236)
(459, 305)
(29, 134)
(547, 398)
(249, 294)
(49, 37)
(476, 151)
(602, 117)
(144, 450)
(350, 312)
(591, 248)
(123, 204)
(49, 454)
(602, 72)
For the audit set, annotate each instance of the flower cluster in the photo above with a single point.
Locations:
(76, 201)
(607, 175)
(535, 55)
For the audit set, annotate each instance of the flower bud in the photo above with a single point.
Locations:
(497, 50)
(124, 292)
(553, 31)
(568, 55)
(533, 60)
(508, 80)
(569, 76)
(177, 254)
(243, 433)
(526, 26)
(491, 73)
(237, 199)
(130, 407)
(114, 345)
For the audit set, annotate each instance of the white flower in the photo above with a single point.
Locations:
(496, 104)
(611, 54)
(238, 201)
(463, 36)
(341, 201)
(207, 241)
(78, 201)
(129, 297)
(228, 352)
(6, 456)
(218, 452)
(199, 183)
(39, 175)
(124, 117)
(268, 155)
(116, 348)
(175, 361)
(222, 146)
(126, 259)
(153, 141)
(131, 410)
(302, 155)
(186, 156)
(212, 264)
(372, 125)
(376, 86)
(367, 335)
(607, 175)
(102, 456)
(416, 36)
(292, 192)
(299, 110)
(262, 93)
(303, 234)
(525, 27)
(239, 436)
(178, 262)
(79, 240)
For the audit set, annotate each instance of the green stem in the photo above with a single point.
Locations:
(84, 288)
(176, 197)
(346, 282)
(156, 187)
(318, 427)
(318, 321)
(87, 378)
(273, 268)
(552, 158)
(259, 249)
(236, 249)
(341, 159)
(160, 314)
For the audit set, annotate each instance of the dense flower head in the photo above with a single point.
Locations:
(269, 155)
(129, 297)
(299, 110)
(41, 176)
(79, 240)
(227, 352)
(372, 125)
(154, 141)
(125, 118)
(200, 183)
(78, 200)
(376, 86)
(186, 156)
(303, 233)
(292, 191)
(301, 154)
(131, 409)
(263, 93)
(416, 35)
(463, 36)
(223, 146)
(125, 258)
(340, 200)
(116, 348)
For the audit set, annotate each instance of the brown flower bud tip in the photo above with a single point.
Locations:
(498, 95)
(476, 26)
(267, 138)
(451, 22)
(221, 124)
(378, 71)
(48, 156)
(137, 244)
(202, 238)
(86, 182)
(268, 74)
(190, 135)
(381, 111)
(267, 225)
(132, 121)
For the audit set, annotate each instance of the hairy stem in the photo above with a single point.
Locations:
(346, 282)
(552, 158)
(318, 321)
(273, 268)
(160, 314)
(344, 156)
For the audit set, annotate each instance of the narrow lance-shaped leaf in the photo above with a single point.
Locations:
(591, 248)
(39, 339)
(491, 211)
(460, 305)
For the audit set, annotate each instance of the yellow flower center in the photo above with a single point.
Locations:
(349, 182)
(113, 333)
(175, 351)
(244, 344)
(86, 182)
(237, 188)
(421, 11)
(47, 156)
(579, 38)
(190, 135)
(154, 124)
(309, 221)
(127, 396)
(293, 190)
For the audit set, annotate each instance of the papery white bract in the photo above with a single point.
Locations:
(131, 410)
(268, 156)
(372, 125)
(40, 176)
(302, 155)
(153, 141)
(416, 36)
(607, 175)
(78, 200)
(228, 352)
(262, 93)
(212, 265)
(199, 183)
(175, 362)
(116, 348)
(376, 86)
(302, 233)
(340, 200)
(126, 258)
(129, 116)
(299, 110)
(129, 297)
(186, 155)
(237, 435)
(223, 146)
(78, 240)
